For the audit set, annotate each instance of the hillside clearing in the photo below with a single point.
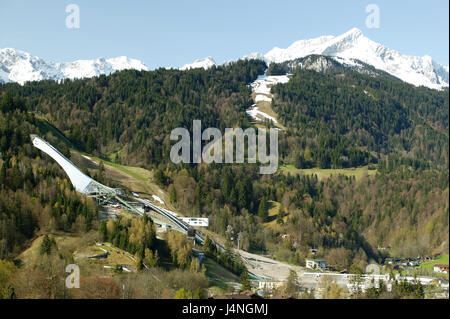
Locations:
(430, 264)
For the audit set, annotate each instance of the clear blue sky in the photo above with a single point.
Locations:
(172, 33)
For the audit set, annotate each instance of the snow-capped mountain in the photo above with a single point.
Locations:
(19, 66)
(354, 45)
(350, 47)
(323, 63)
(205, 63)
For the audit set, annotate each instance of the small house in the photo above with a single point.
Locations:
(440, 268)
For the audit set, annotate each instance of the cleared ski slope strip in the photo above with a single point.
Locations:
(261, 87)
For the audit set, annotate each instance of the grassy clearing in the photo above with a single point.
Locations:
(136, 179)
(430, 264)
(116, 256)
(326, 173)
(136, 172)
(64, 241)
(266, 107)
(274, 209)
(32, 253)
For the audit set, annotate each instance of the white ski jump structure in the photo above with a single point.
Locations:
(104, 194)
(90, 187)
(80, 181)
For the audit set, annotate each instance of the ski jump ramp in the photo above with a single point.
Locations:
(80, 181)
(90, 187)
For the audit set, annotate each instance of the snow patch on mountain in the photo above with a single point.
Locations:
(19, 66)
(254, 56)
(204, 63)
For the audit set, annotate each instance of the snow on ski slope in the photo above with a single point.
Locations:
(264, 83)
(261, 87)
(262, 98)
(158, 199)
(254, 112)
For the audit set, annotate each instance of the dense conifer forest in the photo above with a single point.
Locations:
(339, 119)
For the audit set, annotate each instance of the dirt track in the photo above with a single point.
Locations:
(268, 268)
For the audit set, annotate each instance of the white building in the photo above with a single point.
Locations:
(315, 264)
(196, 221)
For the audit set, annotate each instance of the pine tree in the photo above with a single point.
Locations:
(103, 231)
(208, 246)
(280, 220)
(233, 196)
(263, 210)
(173, 194)
(7, 102)
(46, 245)
(16, 178)
(245, 280)
(90, 144)
(138, 261)
(292, 285)
(3, 174)
(159, 177)
(300, 161)
(242, 195)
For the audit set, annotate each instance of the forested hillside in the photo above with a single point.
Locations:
(347, 119)
(38, 203)
(334, 120)
(132, 113)
(35, 194)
